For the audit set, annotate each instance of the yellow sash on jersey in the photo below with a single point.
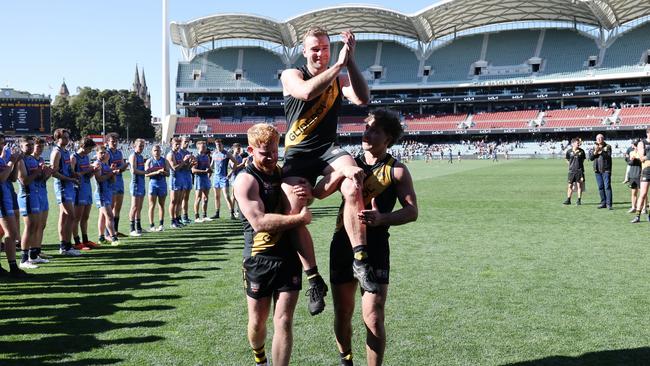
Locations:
(263, 241)
(373, 186)
(310, 119)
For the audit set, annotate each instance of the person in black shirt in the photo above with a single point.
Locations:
(643, 151)
(575, 157)
(271, 266)
(601, 155)
(633, 159)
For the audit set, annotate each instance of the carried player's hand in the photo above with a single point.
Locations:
(355, 173)
(349, 40)
(343, 56)
(305, 215)
(302, 190)
(371, 217)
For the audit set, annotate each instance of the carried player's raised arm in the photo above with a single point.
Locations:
(353, 85)
(251, 206)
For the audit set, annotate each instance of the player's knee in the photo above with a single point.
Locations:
(374, 318)
(348, 189)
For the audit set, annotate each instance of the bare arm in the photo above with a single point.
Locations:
(406, 197)
(247, 194)
(102, 177)
(172, 163)
(354, 85)
(294, 85)
(134, 167)
(23, 176)
(55, 158)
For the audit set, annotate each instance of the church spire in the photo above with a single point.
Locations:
(136, 81)
(63, 91)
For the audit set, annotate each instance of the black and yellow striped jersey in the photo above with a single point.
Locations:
(378, 184)
(270, 191)
(312, 124)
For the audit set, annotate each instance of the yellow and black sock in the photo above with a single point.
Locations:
(259, 355)
(313, 276)
(346, 358)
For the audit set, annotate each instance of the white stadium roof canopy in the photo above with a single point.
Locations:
(441, 19)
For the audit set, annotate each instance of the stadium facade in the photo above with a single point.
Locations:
(458, 67)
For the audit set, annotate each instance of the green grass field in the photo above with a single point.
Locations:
(496, 271)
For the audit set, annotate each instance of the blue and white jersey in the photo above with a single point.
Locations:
(157, 164)
(83, 166)
(115, 159)
(64, 163)
(33, 188)
(137, 179)
(220, 163)
(178, 158)
(203, 163)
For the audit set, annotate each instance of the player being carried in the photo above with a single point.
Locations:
(312, 95)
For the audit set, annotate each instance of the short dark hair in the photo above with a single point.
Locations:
(113, 135)
(26, 139)
(389, 122)
(59, 132)
(87, 142)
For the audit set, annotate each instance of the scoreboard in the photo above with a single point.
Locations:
(24, 116)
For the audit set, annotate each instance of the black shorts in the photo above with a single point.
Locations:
(341, 257)
(645, 175)
(310, 165)
(265, 276)
(634, 183)
(576, 177)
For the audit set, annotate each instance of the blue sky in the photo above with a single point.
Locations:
(98, 43)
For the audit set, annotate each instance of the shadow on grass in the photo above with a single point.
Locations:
(620, 357)
(51, 318)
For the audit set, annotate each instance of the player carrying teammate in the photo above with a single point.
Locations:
(386, 182)
(271, 265)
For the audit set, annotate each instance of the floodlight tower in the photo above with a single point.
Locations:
(165, 65)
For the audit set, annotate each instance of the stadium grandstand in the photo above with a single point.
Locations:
(457, 67)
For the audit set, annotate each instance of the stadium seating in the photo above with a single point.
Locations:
(566, 51)
(434, 122)
(452, 62)
(511, 48)
(635, 116)
(400, 64)
(260, 68)
(628, 49)
(515, 119)
(575, 117)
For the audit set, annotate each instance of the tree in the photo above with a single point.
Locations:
(63, 115)
(82, 113)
